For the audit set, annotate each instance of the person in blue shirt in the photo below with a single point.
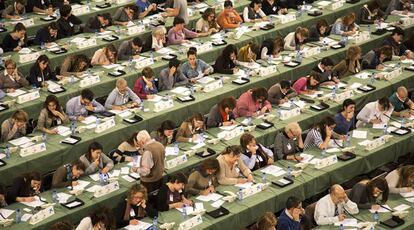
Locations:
(345, 119)
(401, 102)
(194, 68)
(375, 58)
(292, 216)
(146, 8)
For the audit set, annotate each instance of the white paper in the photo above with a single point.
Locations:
(333, 150)
(401, 207)
(89, 120)
(379, 126)
(364, 143)
(218, 204)
(125, 113)
(284, 181)
(210, 197)
(306, 157)
(299, 103)
(273, 170)
(25, 51)
(69, 140)
(26, 217)
(73, 204)
(20, 141)
(94, 177)
(355, 85)
(115, 173)
(63, 197)
(140, 226)
(93, 188)
(111, 66)
(35, 203)
(180, 90)
(5, 212)
(407, 194)
(81, 185)
(205, 80)
(245, 185)
(381, 209)
(359, 134)
(124, 170)
(62, 129)
(16, 93)
(156, 98)
(165, 50)
(363, 75)
(348, 223)
(411, 199)
(128, 178)
(197, 146)
(170, 151)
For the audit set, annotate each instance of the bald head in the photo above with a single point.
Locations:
(336, 188)
(402, 92)
(122, 85)
(338, 194)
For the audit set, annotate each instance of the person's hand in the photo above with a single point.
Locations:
(296, 214)
(184, 41)
(206, 72)
(105, 170)
(380, 67)
(150, 96)
(250, 178)
(270, 161)
(235, 70)
(328, 131)
(10, 90)
(402, 58)
(195, 137)
(53, 131)
(81, 118)
(172, 70)
(15, 126)
(132, 105)
(101, 30)
(89, 107)
(211, 188)
(143, 203)
(29, 199)
(241, 180)
(133, 222)
(178, 205)
(264, 110)
(375, 121)
(55, 112)
(17, 49)
(375, 207)
(410, 189)
(96, 162)
(205, 192)
(228, 123)
(188, 202)
(284, 100)
(74, 183)
(341, 217)
(405, 114)
(409, 54)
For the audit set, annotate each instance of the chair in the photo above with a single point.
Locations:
(32, 124)
(310, 213)
(101, 100)
(47, 180)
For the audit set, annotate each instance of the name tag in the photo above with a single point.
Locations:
(39, 79)
(89, 80)
(259, 158)
(175, 161)
(33, 149)
(132, 213)
(288, 146)
(190, 223)
(213, 86)
(106, 189)
(105, 125)
(171, 198)
(28, 97)
(135, 30)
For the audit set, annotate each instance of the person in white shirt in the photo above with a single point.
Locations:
(122, 97)
(101, 218)
(296, 40)
(376, 112)
(333, 207)
(401, 180)
(253, 12)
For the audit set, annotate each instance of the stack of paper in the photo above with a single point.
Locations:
(359, 134)
(34, 203)
(210, 197)
(273, 170)
(20, 141)
(5, 212)
(16, 93)
(385, 208)
(89, 120)
(81, 185)
(141, 225)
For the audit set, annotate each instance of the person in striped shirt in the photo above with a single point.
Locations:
(321, 134)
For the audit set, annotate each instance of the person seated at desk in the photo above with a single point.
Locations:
(100, 218)
(248, 53)
(401, 179)
(307, 85)
(376, 112)
(166, 133)
(15, 40)
(77, 108)
(321, 134)
(345, 120)
(14, 127)
(120, 97)
(324, 69)
(255, 155)
(221, 114)
(253, 12)
(395, 42)
(227, 61)
(274, 7)
(191, 130)
(399, 5)
(59, 3)
(172, 76)
(331, 208)
(157, 40)
(136, 206)
(14, 10)
(231, 167)
(51, 115)
(229, 18)
(289, 142)
(40, 72)
(252, 103)
(26, 187)
(271, 47)
(203, 180)
(293, 216)
(126, 150)
(145, 86)
(318, 31)
(345, 26)
(350, 65)
(47, 34)
(370, 194)
(75, 65)
(400, 101)
(130, 49)
(68, 174)
(370, 13)
(208, 23)
(124, 15)
(178, 34)
(40, 7)
(375, 58)
(296, 40)
(98, 23)
(11, 79)
(280, 93)
(3, 196)
(268, 221)
(145, 8)
(95, 160)
(62, 225)
(67, 22)
(105, 56)
(171, 194)
(195, 68)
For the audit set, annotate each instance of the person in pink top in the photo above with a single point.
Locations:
(306, 85)
(252, 103)
(178, 34)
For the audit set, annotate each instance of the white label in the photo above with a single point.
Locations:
(41, 215)
(309, 52)
(28, 97)
(105, 125)
(230, 134)
(287, 114)
(143, 62)
(103, 190)
(86, 43)
(32, 149)
(362, 37)
(176, 161)
(23, 58)
(80, 9)
(370, 145)
(190, 223)
(255, 188)
(162, 105)
(336, 5)
(89, 80)
(344, 95)
(265, 71)
(325, 162)
(135, 30)
(213, 86)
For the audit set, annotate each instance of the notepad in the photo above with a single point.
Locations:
(401, 207)
(359, 134)
(210, 197)
(20, 141)
(81, 185)
(5, 212)
(16, 93)
(34, 203)
(386, 208)
(89, 120)
(407, 194)
(217, 204)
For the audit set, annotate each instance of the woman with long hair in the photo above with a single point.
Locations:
(51, 115)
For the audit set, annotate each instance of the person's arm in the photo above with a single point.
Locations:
(33, 78)
(150, 211)
(173, 39)
(59, 177)
(97, 56)
(182, 133)
(288, 42)
(8, 12)
(133, 96)
(97, 107)
(351, 207)
(357, 193)
(146, 164)
(123, 51)
(117, 16)
(337, 29)
(107, 162)
(279, 148)
(392, 180)
(268, 152)
(191, 34)
(181, 79)
(7, 132)
(364, 115)
(41, 121)
(162, 199)
(244, 169)
(249, 161)
(246, 14)
(213, 119)
(192, 179)
(110, 100)
(322, 215)
(139, 89)
(90, 167)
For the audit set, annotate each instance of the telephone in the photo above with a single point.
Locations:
(250, 128)
(190, 152)
(214, 141)
(167, 226)
(230, 196)
(301, 165)
(76, 192)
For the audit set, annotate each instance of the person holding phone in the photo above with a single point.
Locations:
(293, 215)
(11, 79)
(94, 160)
(171, 194)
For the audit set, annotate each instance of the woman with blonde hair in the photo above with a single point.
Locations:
(401, 180)
(289, 142)
(15, 126)
(350, 65)
(296, 40)
(345, 26)
(136, 206)
(248, 53)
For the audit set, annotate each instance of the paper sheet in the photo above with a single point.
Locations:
(355, 85)
(402, 207)
(141, 225)
(364, 143)
(218, 204)
(73, 204)
(381, 210)
(93, 188)
(245, 185)
(170, 151)
(20, 141)
(5, 212)
(348, 223)
(35, 203)
(81, 185)
(273, 170)
(199, 145)
(363, 75)
(359, 134)
(124, 170)
(63, 197)
(333, 150)
(379, 126)
(94, 177)
(16, 93)
(115, 173)
(128, 178)
(306, 157)
(180, 90)
(407, 194)
(156, 98)
(89, 120)
(210, 197)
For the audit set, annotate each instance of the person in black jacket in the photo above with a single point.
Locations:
(67, 22)
(318, 31)
(369, 194)
(171, 194)
(136, 206)
(47, 34)
(39, 6)
(222, 113)
(370, 13)
(40, 72)
(395, 42)
(226, 62)
(26, 187)
(274, 7)
(324, 68)
(15, 40)
(98, 23)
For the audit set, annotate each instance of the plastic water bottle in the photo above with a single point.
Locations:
(375, 216)
(135, 160)
(73, 128)
(152, 55)
(55, 197)
(185, 212)
(263, 177)
(1, 61)
(269, 59)
(369, 29)
(57, 12)
(298, 57)
(101, 179)
(348, 140)
(130, 63)
(240, 194)
(341, 227)
(118, 30)
(372, 78)
(333, 93)
(176, 149)
(42, 45)
(18, 215)
(324, 46)
(155, 223)
(44, 137)
(142, 107)
(7, 152)
(289, 172)
(385, 129)
(323, 152)
(97, 121)
(88, 3)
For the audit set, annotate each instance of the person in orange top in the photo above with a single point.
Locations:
(229, 18)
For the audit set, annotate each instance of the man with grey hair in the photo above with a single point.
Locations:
(122, 97)
(400, 101)
(151, 166)
(333, 207)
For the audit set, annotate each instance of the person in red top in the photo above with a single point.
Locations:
(145, 87)
(252, 103)
(306, 85)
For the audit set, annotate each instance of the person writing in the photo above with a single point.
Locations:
(78, 108)
(370, 194)
(345, 120)
(252, 103)
(192, 129)
(122, 97)
(51, 115)
(289, 142)
(68, 174)
(171, 194)
(231, 166)
(26, 187)
(94, 160)
(203, 180)
(221, 114)
(14, 127)
(401, 179)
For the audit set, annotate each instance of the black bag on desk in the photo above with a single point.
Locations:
(393, 222)
(346, 156)
(104, 5)
(218, 212)
(73, 204)
(367, 88)
(2, 163)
